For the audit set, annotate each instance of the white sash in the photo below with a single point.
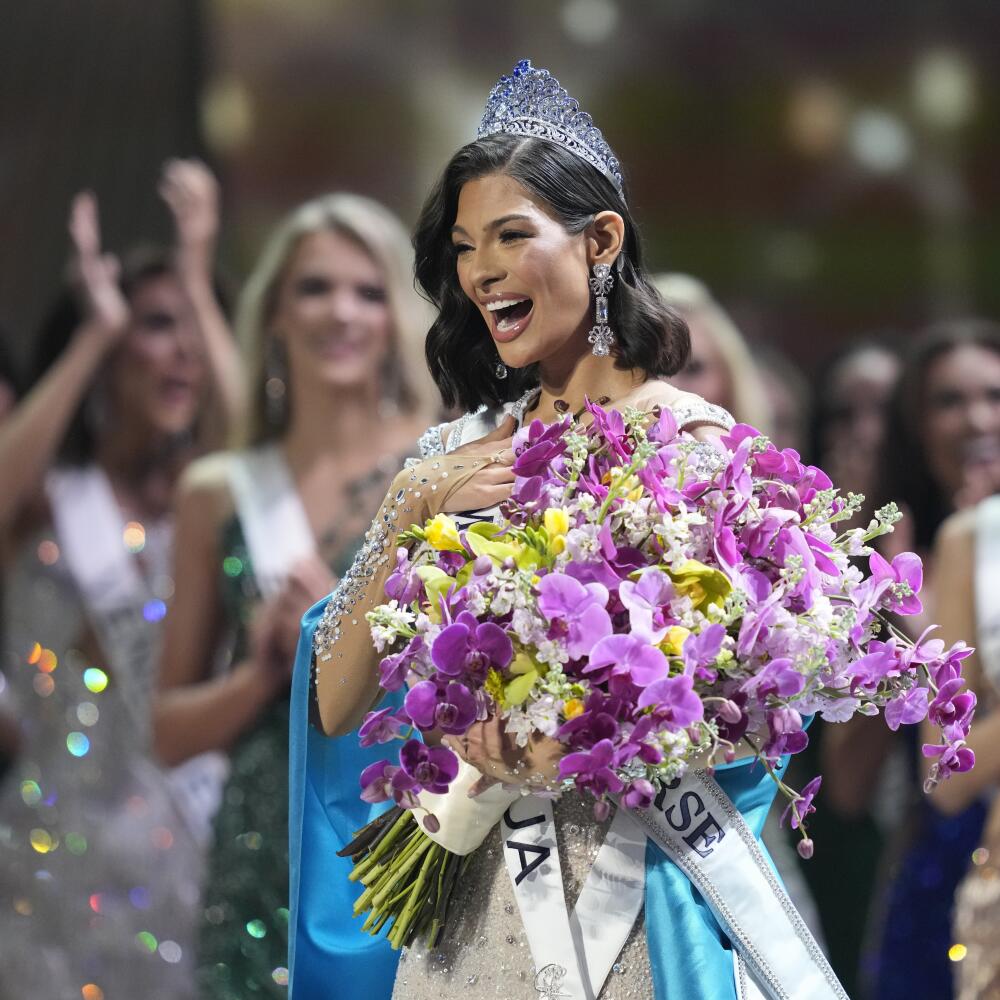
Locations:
(702, 832)
(274, 522)
(987, 587)
(90, 529)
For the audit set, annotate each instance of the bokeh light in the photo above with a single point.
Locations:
(256, 929)
(957, 952)
(95, 679)
(154, 611)
(92, 992)
(147, 941)
(48, 552)
(42, 841)
(170, 951)
(134, 537)
(78, 744)
(31, 793)
(88, 713)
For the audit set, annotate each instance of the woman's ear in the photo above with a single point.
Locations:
(605, 238)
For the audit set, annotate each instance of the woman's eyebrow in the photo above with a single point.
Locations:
(495, 224)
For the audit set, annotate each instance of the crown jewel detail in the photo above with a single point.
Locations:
(530, 102)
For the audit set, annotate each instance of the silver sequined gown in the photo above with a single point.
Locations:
(485, 953)
(93, 852)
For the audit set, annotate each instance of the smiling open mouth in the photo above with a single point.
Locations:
(509, 317)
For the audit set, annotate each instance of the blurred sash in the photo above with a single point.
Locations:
(987, 586)
(124, 614)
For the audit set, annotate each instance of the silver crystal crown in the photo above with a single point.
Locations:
(530, 102)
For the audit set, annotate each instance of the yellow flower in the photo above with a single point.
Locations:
(674, 640)
(556, 521)
(703, 584)
(442, 534)
(494, 685)
(573, 708)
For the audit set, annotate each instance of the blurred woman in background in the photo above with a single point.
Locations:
(333, 332)
(720, 368)
(848, 430)
(944, 426)
(968, 607)
(851, 414)
(98, 845)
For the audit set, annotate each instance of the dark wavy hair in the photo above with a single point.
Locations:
(140, 265)
(461, 355)
(906, 476)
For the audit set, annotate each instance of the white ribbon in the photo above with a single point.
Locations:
(702, 832)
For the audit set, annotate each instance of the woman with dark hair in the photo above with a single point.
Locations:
(528, 249)
(942, 454)
(143, 375)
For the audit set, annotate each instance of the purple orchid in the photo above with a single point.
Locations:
(383, 781)
(907, 708)
(785, 733)
(645, 600)
(450, 707)
(622, 661)
(702, 648)
(594, 769)
(575, 611)
(802, 805)
(470, 648)
(952, 758)
(536, 450)
(952, 705)
(674, 702)
(779, 678)
(639, 794)
(382, 726)
(906, 569)
(430, 768)
(404, 585)
(393, 670)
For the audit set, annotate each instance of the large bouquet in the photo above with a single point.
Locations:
(652, 602)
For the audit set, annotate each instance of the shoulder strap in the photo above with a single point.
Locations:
(987, 581)
(274, 523)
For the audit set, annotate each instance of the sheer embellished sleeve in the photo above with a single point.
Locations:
(344, 681)
(700, 413)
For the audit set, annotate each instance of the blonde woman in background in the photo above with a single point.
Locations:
(721, 368)
(332, 330)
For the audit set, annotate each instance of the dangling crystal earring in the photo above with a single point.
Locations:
(601, 336)
(500, 369)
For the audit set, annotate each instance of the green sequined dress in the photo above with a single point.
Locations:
(243, 942)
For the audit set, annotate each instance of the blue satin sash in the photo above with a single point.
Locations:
(326, 948)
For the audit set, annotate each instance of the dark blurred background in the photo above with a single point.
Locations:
(827, 168)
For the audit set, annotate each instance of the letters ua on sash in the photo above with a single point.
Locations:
(541, 853)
